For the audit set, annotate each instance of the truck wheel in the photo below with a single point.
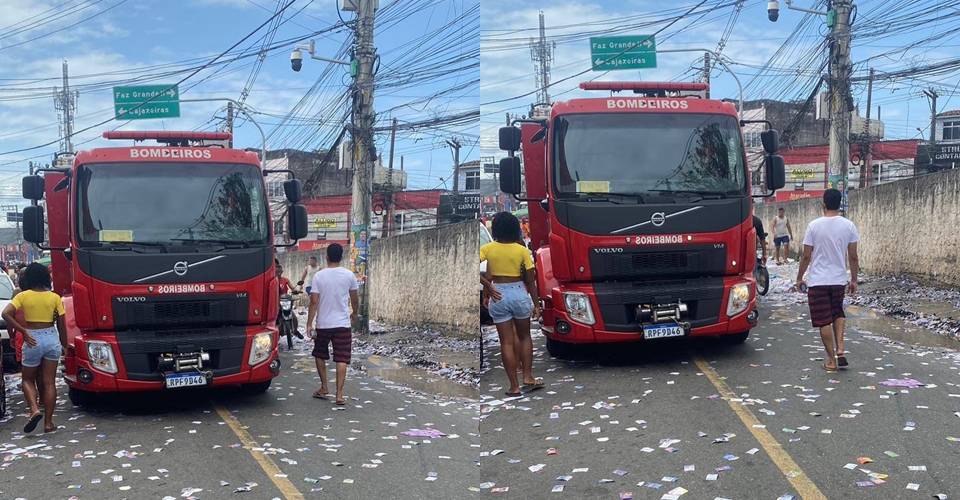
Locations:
(257, 388)
(78, 397)
(559, 350)
(736, 338)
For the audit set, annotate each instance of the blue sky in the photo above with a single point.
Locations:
(507, 71)
(127, 35)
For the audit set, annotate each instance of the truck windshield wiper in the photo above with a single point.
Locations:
(611, 197)
(132, 245)
(703, 194)
(225, 243)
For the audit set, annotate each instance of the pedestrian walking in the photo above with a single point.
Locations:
(511, 276)
(44, 335)
(828, 245)
(334, 303)
(782, 236)
(308, 272)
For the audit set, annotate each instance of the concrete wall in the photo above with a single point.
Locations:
(428, 278)
(906, 227)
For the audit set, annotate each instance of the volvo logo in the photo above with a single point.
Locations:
(608, 250)
(180, 268)
(130, 299)
(658, 218)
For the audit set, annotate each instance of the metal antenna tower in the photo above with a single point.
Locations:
(541, 51)
(65, 101)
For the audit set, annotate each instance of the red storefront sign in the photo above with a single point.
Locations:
(784, 195)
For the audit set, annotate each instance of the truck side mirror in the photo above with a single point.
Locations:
(33, 223)
(297, 222)
(33, 187)
(291, 189)
(775, 172)
(509, 138)
(771, 141)
(510, 175)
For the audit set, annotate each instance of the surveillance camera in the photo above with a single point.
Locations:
(296, 60)
(773, 10)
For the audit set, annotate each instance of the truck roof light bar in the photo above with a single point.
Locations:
(652, 89)
(167, 136)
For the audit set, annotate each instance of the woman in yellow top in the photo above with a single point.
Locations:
(511, 288)
(45, 332)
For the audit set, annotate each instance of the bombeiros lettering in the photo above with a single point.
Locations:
(195, 154)
(647, 104)
(182, 288)
(660, 239)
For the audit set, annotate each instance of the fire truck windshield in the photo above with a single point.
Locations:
(636, 153)
(171, 203)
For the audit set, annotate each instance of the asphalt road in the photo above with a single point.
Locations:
(207, 444)
(706, 420)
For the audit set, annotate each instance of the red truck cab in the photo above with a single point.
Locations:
(641, 212)
(164, 257)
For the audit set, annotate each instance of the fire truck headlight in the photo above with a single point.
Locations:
(739, 299)
(578, 306)
(101, 356)
(262, 345)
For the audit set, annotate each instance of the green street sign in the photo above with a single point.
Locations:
(147, 111)
(623, 52)
(142, 102)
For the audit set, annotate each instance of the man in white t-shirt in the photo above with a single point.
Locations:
(829, 243)
(334, 303)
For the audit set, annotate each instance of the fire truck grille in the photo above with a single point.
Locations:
(618, 301)
(668, 262)
(180, 311)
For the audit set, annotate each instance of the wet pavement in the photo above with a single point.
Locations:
(701, 419)
(404, 432)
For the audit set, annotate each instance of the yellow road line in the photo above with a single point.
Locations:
(798, 479)
(282, 483)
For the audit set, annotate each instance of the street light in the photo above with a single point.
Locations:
(296, 57)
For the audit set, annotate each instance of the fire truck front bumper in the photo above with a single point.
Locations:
(649, 311)
(113, 363)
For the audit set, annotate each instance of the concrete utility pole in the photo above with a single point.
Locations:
(455, 146)
(541, 51)
(230, 125)
(840, 69)
(866, 167)
(933, 95)
(388, 196)
(363, 157)
(706, 73)
(65, 101)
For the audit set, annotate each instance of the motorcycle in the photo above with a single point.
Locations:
(287, 320)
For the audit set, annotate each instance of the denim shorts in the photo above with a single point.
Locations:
(48, 347)
(514, 303)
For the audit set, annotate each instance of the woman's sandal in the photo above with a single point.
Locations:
(827, 368)
(32, 423)
(341, 402)
(536, 385)
(321, 395)
(514, 394)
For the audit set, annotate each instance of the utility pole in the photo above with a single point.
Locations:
(840, 68)
(541, 52)
(230, 126)
(388, 198)
(866, 167)
(363, 157)
(706, 73)
(455, 146)
(933, 95)
(65, 102)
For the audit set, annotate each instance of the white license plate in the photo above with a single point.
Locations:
(662, 331)
(175, 381)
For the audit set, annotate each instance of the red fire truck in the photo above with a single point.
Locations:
(640, 214)
(165, 258)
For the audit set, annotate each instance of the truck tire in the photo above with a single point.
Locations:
(78, 397)
(736, 338)
(559, 350)
(257, 388)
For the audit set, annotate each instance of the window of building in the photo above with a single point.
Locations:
(951, 131)
(275, 189)
(473, 181)
(751, 139)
